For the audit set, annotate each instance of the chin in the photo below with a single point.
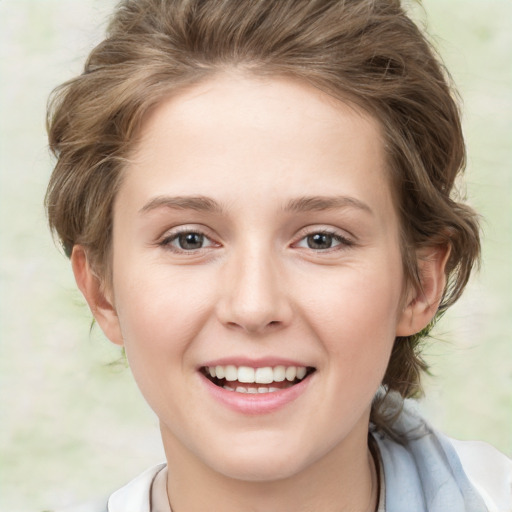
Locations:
(261, 464)
(260, 470)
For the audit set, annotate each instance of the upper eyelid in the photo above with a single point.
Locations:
(186, 228)
(336, 232)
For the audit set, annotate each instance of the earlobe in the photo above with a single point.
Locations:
(100, 304)
(421, 303)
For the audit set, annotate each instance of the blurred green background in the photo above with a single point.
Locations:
(72, 424)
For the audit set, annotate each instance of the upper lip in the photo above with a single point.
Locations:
(253, 363)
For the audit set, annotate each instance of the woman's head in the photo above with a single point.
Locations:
(367, 54)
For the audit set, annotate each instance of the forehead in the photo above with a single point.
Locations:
(246, 135)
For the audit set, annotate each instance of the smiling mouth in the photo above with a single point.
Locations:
(244, 379)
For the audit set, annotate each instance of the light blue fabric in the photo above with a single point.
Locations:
(423, 472)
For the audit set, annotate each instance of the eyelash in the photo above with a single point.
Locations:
(343, 242)
(167, 242)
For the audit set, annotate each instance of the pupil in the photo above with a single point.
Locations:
(320, 241)
(191, 241)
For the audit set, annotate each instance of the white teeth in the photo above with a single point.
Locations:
(263, 375)
(246, 374)
(279, 373)
(231, 373)
(291, 373)
(301, 372)
(241, 389)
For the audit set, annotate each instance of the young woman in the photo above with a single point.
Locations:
(256, 200)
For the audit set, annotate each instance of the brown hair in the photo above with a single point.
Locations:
(367, 52)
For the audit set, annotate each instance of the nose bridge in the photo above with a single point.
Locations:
(254, 296)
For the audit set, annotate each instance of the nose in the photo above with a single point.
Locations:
(253, 294)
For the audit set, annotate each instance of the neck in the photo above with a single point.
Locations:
(345, 479)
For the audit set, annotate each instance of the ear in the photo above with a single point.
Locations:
(421, 303)
(100, 303)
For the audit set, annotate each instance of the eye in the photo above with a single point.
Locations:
(187, 241)
(323, 240)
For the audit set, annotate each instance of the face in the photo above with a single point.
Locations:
(257, 276)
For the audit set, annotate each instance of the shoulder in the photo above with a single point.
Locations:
(136, 495)
(133, 497)
(489, 471)
(423, 466)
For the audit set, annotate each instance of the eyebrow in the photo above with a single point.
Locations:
(197, 203)
(320, 203)
(298, 205)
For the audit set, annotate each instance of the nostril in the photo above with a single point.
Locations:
(255, 327)
(235, 325)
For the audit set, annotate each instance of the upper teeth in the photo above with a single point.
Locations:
(264, 375)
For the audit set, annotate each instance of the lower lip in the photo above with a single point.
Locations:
(256, 403)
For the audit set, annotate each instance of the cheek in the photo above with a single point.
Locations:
(159, 317)
(159, 313)
(355, 316)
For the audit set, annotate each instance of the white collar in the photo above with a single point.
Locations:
(135, 496)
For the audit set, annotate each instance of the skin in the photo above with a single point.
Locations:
(257, 289)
